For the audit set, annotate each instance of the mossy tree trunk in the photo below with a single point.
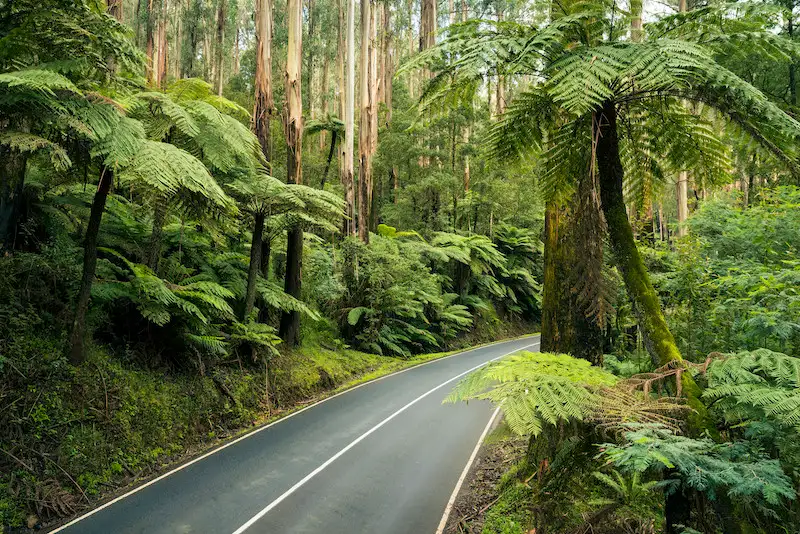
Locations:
(657, 336)
(77, 351)
(565, 327)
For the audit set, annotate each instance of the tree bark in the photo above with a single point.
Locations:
(161, 70)
(77, 350)
(293, 126)
(365, 124)
(116, 9)
(309, 83)
(264, 103)
(254, 267)
(330, 158)
(218, 78)
(348, 171)
(150, 46)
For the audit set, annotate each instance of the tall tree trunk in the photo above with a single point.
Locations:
(237, 62)
(365, 125)
(178, 61)
(150, 46)
(348, 171)
(77, 350)
(293, 128)
(116, 8)
(218, 74)
(501, 82)
(388, 71)
(309, 83)
(682, 187)
(254, 267)
(792, 61)
(12, 188)
(412, 48)
(161, 72)
(264, 103)
(466, 133)
(324, 97)
(656, 333)
(262, 116)
(330, 158)
(154, 245)
(558, 333)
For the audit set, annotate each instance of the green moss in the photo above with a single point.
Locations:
(511, 514)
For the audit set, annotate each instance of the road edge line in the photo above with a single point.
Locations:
(246, 435)
(361, 438)
(465, 472)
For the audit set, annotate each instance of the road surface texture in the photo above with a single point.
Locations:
(381, 458)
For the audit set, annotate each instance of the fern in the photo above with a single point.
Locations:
(702, 464)
(750, 386)
(534, 389)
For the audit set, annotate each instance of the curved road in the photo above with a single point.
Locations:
(382, 457)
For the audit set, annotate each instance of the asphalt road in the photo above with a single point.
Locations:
(380, 458)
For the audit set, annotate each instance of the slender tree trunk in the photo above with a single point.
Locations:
(293, 127)
(682, 187)
(412, 48)
(792, 61)
(178, 41)
(309, 83)
(500, 97)
(324, 96)
(348, 171)
(253, 268)
(237, 63)
(365, 126)
(150, 46)
(154, 246)
(751, 175)
(77, 350)
(330, 158)
(682, 193)
(161, 76)
(218, 75)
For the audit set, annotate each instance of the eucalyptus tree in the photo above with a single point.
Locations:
(601, 103)
(293, 130)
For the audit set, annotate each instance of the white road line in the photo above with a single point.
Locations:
(358, 440)
(464, 473)
(260, 429)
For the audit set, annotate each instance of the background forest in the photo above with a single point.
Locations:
(211, 210)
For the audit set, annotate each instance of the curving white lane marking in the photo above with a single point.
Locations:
(139, 488)
(358, 440)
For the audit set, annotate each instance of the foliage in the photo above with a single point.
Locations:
(703, 465)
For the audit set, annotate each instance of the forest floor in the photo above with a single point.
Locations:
(482, 487)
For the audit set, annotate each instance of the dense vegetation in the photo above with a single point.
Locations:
(190, 243)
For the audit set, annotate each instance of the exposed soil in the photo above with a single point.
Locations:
(480, 488)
